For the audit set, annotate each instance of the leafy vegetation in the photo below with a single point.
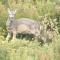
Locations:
(47, 11)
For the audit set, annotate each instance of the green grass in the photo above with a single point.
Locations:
(28, 50)
(24, 49)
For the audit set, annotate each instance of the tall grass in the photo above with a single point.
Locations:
(29, 50)
(25, 50)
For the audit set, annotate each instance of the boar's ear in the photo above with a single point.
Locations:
(15, 11)
(9, 10)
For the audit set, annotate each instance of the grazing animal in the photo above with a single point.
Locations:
(25, 26)
(22, 25)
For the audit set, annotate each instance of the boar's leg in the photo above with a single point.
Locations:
(14, 35)
(8, 36)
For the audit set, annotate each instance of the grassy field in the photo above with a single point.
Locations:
(29, 50)
(24, 49)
